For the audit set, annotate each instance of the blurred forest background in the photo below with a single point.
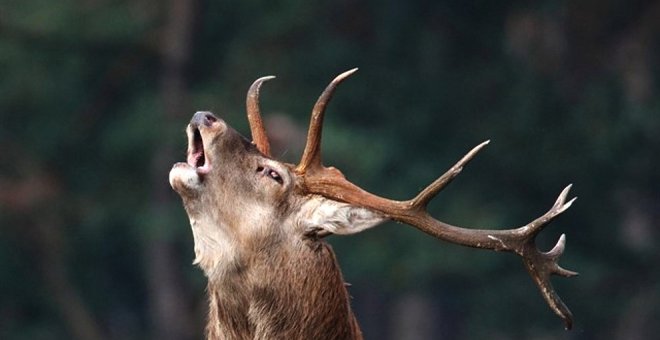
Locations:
(95, 95)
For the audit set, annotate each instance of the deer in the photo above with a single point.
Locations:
(259, 227)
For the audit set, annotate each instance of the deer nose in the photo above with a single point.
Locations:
(203, 118)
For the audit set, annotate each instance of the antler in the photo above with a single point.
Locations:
(259, 136)
(311, 158)
(331, 183)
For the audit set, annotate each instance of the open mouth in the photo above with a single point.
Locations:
(196, 156)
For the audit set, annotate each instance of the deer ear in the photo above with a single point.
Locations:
(338, 218)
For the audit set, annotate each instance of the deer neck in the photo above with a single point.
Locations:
(289, 292)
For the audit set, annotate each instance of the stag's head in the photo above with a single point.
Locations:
(241, 201)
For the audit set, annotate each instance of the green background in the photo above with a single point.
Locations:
(95, 95)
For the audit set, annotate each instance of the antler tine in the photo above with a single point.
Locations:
(311, 158)
(426, 195)
(559, 207)
(259, 136)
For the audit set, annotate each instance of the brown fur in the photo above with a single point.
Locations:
(290, 293)
(256, 238)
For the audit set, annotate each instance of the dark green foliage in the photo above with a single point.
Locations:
(568, 93)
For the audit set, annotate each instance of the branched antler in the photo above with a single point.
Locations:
(331, 183)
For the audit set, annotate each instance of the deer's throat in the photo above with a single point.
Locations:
(215, 248)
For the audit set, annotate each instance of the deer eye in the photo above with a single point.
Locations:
(275, 176)
(272, 174)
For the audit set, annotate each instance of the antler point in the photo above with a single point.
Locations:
(571, 201)
(558, 249)
(344, 75)
(477, 148)
(565, 272)
(566, 190)
(263, 79)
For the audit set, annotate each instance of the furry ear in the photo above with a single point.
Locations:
(322, 214)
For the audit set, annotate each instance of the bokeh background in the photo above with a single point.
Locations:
(95, 95)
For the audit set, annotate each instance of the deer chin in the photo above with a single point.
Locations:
(185, 177)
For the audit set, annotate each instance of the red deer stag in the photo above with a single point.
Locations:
(258, 226)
